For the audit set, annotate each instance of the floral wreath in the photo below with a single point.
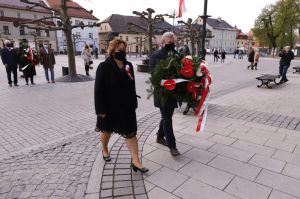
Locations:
(185, 78)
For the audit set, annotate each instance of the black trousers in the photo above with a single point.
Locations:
(14, 71)
(166, 126)
(87, 68)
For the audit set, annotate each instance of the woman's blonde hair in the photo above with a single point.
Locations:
(86, 47)
(113, 45)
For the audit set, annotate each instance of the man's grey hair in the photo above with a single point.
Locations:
(167, 34)
(7, 42)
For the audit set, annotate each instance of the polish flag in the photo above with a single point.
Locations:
(182, 8)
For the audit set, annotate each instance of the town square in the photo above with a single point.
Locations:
(143, 105)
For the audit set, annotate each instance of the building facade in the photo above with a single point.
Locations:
(223, 34)
(88, 35)
(116, 26)
(14, 10)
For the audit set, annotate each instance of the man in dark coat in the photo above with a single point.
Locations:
(286, 57)
(165, 134)
(216, 55)
(47, 60)
(9, 58)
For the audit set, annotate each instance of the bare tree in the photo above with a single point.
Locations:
(63, 22)
(149, 30)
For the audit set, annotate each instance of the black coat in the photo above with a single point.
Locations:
(114, 89)
(159, 55)
(251, 56)
(286, 58)
(9, 57)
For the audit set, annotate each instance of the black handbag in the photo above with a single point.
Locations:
(91, 62)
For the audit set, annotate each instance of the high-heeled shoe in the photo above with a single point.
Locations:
(106, 158)
(142, 170)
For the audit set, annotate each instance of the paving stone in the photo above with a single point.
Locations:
(254, 148)
(231, 152)
(249, 138)
(164, 158)
(192, 189)
(162, 178)
(266, 134)
(292, 171)
(247, 189)
(280, 182)
(293, 139)
(292, 158)
(267, 163)
(196, 142)
(280, 145)
(160, 193)
(200, 155)
(279, 195)
(207, 174)
(235, 167)
(222, 139)
(149, 186)
(122, 191)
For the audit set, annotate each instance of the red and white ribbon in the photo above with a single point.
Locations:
(127, 68)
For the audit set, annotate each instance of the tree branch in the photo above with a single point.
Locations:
(39, 5)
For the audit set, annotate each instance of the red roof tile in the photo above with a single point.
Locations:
(79, 13)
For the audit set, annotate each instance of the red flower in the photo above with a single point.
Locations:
(192, 88)
(187, 62)
(170, 84)
(187, 71)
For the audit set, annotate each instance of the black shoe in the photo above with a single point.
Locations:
(285, 80)
(16, 85)
(142, 170)
(106, 158)
(174, 152)
(10, 85)
(162, 141)
(281, 81)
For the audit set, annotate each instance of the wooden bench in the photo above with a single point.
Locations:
(297, 69)
(266, 79)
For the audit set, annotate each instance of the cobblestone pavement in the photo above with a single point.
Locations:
(48, 148)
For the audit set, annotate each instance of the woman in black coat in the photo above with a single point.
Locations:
(115, 101)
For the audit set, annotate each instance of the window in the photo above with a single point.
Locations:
(38, 32)
(1, 13)
(19, 15)
(104, 27)
(6, 30)
(126, 38)
(78, 35)
(91, 35)
(47, 33)
(100, 28)
(22, 30)
(34, 17)
(77, 22)
(90, 23)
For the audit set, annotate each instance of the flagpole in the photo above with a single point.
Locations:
(204, 17)
(173, 19)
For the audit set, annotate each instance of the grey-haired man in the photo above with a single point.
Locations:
(165, 134)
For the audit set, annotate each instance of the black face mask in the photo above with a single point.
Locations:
(170, 46)
(121, 55)
(9, 45)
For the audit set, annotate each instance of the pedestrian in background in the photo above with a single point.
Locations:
(286, 57)
(9, 58)
(223, 56)
(96, 52)
(216, 55)
(47, 59)
(116, 101)
(87, 58)
(27, 61)
(256, 59)
(251, 58)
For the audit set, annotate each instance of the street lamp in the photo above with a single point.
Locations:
(204, 17)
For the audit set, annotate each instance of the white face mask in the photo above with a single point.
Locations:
(46, 46)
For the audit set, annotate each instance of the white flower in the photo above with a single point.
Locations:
(189, 57)
(199, 72)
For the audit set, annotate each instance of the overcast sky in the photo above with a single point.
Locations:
(241, 13)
